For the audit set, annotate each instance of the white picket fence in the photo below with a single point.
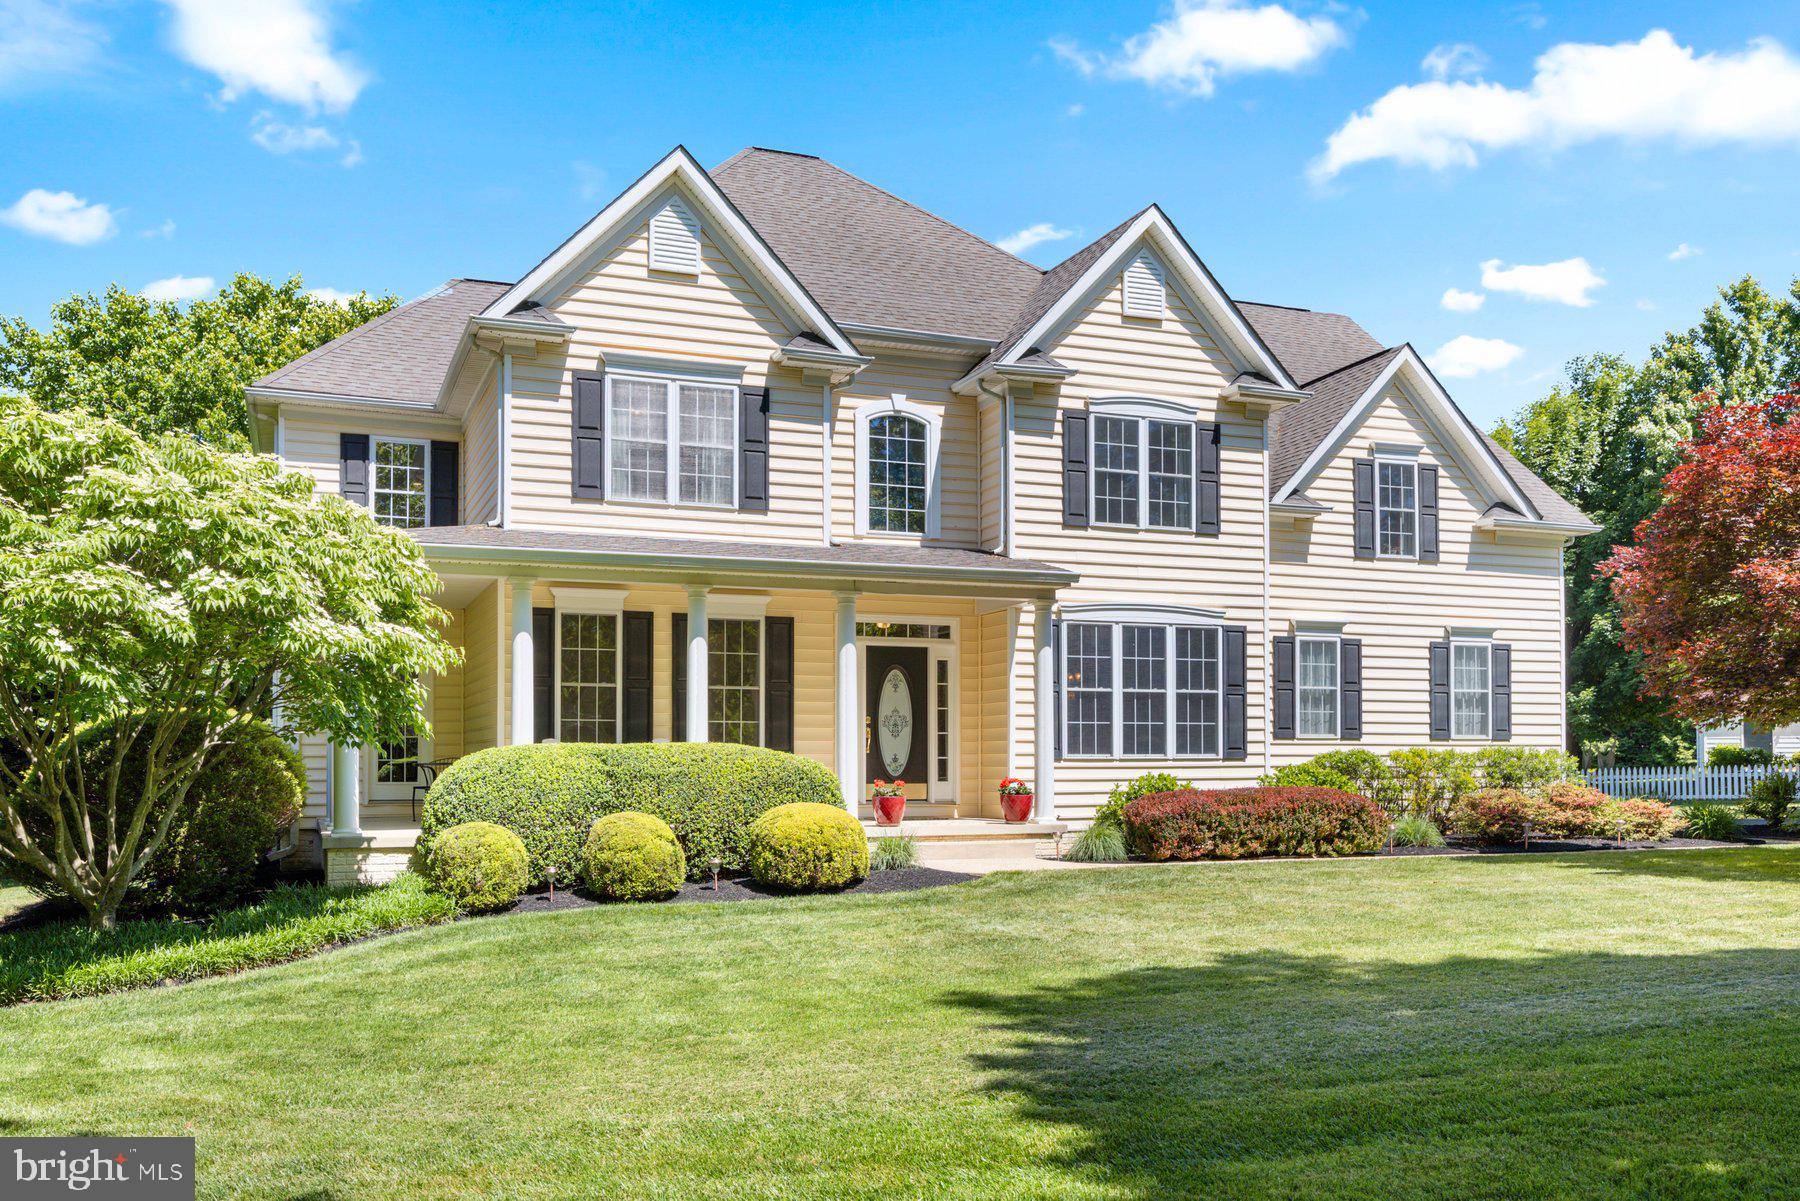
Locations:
(1682, 783)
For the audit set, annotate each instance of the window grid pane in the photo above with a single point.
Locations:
(588, 684)
(897, 485)
(1196, 690)
(943, 719)
(1316, 685)
(398, 762)
(1171, 475)
(1116, 470)
(638, 439)
(1088, 689)
(398, 495)
(734, 680)
(1468, 690)
(705, 424)
(1143, 679)
(1395, 505)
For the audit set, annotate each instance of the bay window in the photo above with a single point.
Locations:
(671, 441)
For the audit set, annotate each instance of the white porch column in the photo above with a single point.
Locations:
(346, 774)
(524, 720)
(697, 683)
(1044, 716)
(848, 748)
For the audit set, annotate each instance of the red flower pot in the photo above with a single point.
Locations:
(1016, 806)
(888, 809)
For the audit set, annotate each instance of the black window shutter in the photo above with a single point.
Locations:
(1500, 688)
(543, 674)
(678, 676)
(753, 450)
(1056, 686)
(1440, 691)
(1206, 477)
(587, 414)
(639, 656)
(1284, 688)
(1428, 512)
(1075, 467)
(1365, 508)
(1350, 688)
(778, 681)
(353, 468)
(444, 483)
(1236, 733)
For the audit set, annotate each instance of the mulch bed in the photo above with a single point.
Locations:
(743, 888)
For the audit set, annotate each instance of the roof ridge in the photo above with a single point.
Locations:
(1353, 363)
(351, 335)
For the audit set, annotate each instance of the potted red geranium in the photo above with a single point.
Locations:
(889, 799)
(1015, 800)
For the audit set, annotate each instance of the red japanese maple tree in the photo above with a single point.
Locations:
(1710, 593)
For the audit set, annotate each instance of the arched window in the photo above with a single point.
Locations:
(896, 478)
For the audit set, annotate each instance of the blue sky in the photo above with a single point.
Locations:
(1364, 159)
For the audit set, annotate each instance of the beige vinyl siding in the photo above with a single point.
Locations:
(447, 701)
(481, 456)
(483, 685)
(1175, 360)
(310, 442)
(1398, 608)
(990, 423)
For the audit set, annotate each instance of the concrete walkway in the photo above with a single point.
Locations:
(980, 857)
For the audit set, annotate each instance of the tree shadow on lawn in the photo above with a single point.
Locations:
(1726, 865)
(1268, 1073)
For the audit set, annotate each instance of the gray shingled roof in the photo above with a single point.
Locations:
(402, 355)
(1294, 432)
(1309, 344)
(869, 257)
(1549, 502)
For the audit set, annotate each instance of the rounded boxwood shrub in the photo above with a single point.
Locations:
(550, 795)
(633, 857)
(478, 865)
(808, 846)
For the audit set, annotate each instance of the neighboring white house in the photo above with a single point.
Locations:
(766, 454)
(1782, 740)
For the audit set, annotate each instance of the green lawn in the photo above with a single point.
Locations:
(13, 898)
(1560, 1026)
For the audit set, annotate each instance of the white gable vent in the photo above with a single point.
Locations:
(675, 240)
(1145, 295)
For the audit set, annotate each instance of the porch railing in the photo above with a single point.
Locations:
(1683, 783)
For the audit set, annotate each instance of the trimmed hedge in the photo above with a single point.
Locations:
(1563, 811)
(807, 847)
(550, 795)
(1242, 823)
(633, 857)
(478, 865)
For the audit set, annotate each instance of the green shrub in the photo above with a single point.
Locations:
(1240, 823)
(1101, 842)
(633, 857)
(1526, 768)
(1770, 799)
(1429, 782)
(1645, 820)
(1416, 832)
(478, 865)
(1306, 775)
(808, 846)
(892, 852)
(1740, 756)
(1715, 823)
(1368, 773)
(550, 795)
(1112, 811)
(1565, 810)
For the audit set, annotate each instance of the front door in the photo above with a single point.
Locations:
(895, 716)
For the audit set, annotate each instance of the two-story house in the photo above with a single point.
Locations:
(766, 454)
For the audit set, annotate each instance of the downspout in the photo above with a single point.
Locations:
(1267, 587)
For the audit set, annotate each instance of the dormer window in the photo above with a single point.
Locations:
(1144, 290)
(675, 240)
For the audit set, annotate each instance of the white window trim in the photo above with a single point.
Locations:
(599, 602)
(672, 444)
(370, 766)
(741, 608)
(1487, 733)
(1143, 411)
(375, 441)
(1400, 460)
(1170, 618)
(934, 428)
(1337, 704)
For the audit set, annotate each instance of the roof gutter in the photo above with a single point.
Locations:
(1568, 529)
(330, 400)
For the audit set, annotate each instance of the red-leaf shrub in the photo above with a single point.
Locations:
(1493, 815)
(1646, 820)
(1564, 811)
(1570, 811)
(1242, 823)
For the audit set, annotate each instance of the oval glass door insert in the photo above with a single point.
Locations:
(894, 721)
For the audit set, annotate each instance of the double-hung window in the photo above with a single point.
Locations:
(670, 440)
(1141, 689)
(588, 680)
(734, 680)
(399, 481)
(1396, 509)
(1317, 664)
(1471, 689)
(1143, 471)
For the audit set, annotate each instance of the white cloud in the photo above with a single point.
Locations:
(280, 48)
(1639, 91)
(278, 137)
(165, 231)
(1459, 301)
(1075, 110)
(40, 39)
(179, 288)
(1206, 39)
(590, 181)
(1684, 251)
(352, 154)
(63, 216)
(1464, 356)
(1454, 58)
(1032, 235)
(332, 295)
(1568, 281)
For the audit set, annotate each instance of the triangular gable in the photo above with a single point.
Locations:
(1471, 451)
(715, 210)
(1151, 229)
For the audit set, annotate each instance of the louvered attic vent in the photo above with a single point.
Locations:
(1144, 291)
(675, 240)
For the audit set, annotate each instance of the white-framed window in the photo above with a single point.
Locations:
(589, 663)
(1317, 679)
(897, 449)
(1143, 465)
(400, 482)
(397, 762)
(1396, 508)
(734, 680)
(672, 441)
(1144, 685)
(1471, 689)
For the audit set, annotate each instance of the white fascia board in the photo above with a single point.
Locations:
(1443, 415)
(1565, 529)
(299, 398)
(512, 327)
(678, 164)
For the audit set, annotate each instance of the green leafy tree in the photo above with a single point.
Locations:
(162, 367)
(1605, 438)
(175, 592)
